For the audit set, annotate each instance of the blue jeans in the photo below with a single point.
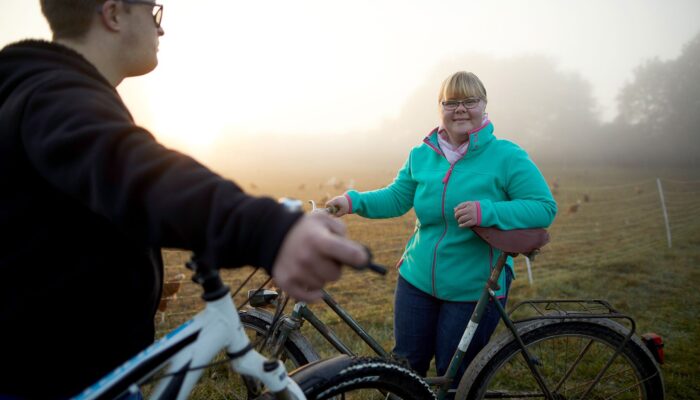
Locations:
(425, 326)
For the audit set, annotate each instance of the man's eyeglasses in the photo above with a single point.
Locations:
(157, 9)
(451, 105)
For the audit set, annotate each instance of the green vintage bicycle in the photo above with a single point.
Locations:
(553, 349)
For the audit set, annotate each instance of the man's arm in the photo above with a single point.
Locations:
(82, 140)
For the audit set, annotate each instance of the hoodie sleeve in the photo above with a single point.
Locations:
(530, 203)
(90, 149)
(391, 201)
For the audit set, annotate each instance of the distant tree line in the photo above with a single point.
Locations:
(549, 112)
(555, 117)
(659, 112)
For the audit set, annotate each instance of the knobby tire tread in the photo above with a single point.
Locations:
(367, 373)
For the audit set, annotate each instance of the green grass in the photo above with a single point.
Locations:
(659, 291)
(612, 247)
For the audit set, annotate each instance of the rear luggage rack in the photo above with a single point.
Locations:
(568, 310)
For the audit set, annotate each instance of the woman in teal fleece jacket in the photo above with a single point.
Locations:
(459, 177)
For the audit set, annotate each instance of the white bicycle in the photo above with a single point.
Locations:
(175, 363)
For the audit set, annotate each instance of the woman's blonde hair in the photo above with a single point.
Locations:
(462, 85)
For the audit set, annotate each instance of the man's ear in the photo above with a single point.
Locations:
(110, 15)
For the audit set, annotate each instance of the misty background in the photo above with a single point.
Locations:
(253, 89)
(546, 110)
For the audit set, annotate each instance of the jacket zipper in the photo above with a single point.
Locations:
(445, 180)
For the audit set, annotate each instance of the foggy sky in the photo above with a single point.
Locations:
(332, 68)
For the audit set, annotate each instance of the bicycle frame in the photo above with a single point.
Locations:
(302, 312)
(187, 350)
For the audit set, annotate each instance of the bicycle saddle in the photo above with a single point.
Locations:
(516, 241)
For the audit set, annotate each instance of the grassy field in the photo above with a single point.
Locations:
(608, 242)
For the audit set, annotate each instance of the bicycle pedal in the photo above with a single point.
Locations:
(536, 361)
(262, 298)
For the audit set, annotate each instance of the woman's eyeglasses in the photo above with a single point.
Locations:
(451, 105)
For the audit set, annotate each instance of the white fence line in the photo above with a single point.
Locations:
(663, 209)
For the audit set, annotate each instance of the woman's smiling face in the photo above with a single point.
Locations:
(466, 117)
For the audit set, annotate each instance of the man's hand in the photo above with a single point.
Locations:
(312, 254)
(466, 214)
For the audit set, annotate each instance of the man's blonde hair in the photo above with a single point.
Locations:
(462, 85)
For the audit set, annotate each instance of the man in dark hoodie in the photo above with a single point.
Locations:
(88, 198)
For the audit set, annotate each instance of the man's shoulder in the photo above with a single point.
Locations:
(48, 62)
(49, 94)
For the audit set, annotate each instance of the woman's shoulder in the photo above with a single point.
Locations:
(506, 145)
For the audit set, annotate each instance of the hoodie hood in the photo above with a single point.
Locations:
(31, 58)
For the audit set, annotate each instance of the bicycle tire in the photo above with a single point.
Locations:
(298, 351)
(360, 378)
(500, 369)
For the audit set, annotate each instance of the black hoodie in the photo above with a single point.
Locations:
(87, 198)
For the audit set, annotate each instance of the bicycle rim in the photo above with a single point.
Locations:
(570, 357)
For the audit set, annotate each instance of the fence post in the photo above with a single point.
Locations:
(529, 269)
(663, 208)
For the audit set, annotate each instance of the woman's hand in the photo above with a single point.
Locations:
(340, 204)
(466, 214)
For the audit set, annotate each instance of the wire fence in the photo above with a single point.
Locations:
(594, 226)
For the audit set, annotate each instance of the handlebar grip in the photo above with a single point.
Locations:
(379, 269)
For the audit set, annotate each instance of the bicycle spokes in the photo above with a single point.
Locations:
(570, 366)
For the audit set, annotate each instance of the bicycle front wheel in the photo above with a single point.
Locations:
(346, 377)
(570, 356)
